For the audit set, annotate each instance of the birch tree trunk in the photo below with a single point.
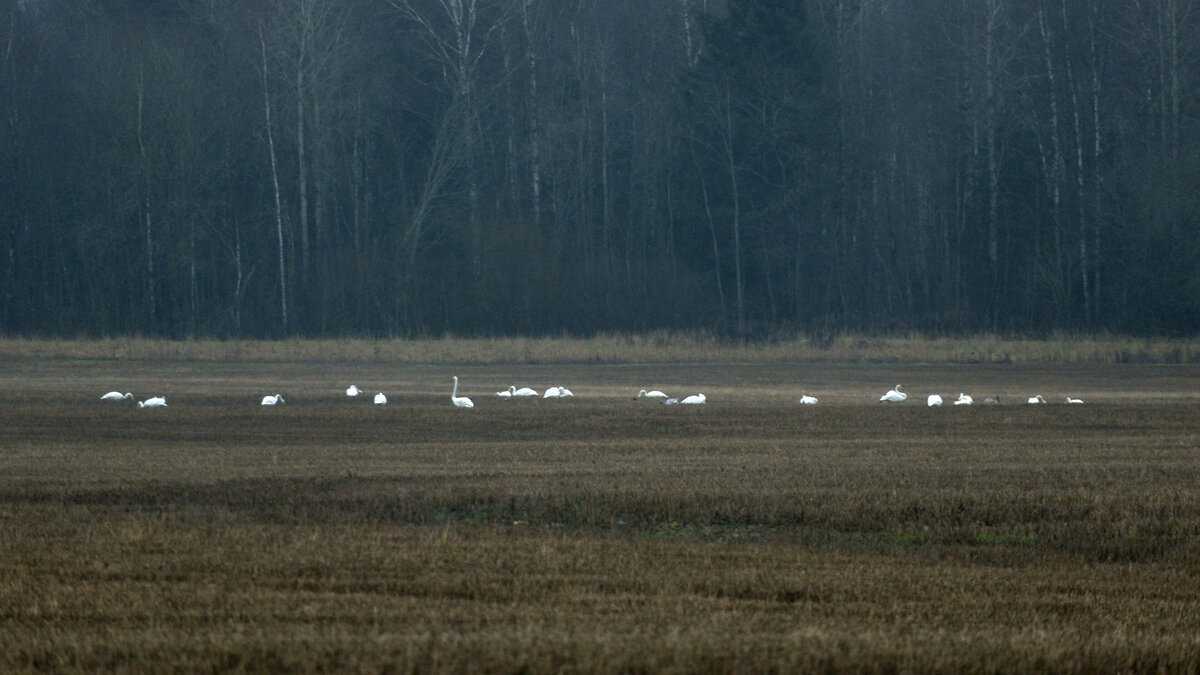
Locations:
(283, 303)
(151, 300)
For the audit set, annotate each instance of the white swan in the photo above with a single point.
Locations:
(557, 392)
(808, 400)
(1036, 399)
(992, 400)
(507, 393)
(523, 392)
(654, 393)
(1076, 401)
(116, 396)
(934, 399)
(353, 391)
(273, 400)
(694, 399)
(896, 395)
(671, 401)
(380, 399)
(963, 399)
(460, 401)
(153, 402)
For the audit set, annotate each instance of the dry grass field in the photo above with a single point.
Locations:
(597, 534)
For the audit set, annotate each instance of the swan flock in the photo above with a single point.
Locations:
(893, 395)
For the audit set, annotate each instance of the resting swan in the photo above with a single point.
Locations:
(380, 399)
(694, 399)
(153, 402)
(933, 400)
(460, 401)
(896, 395)
(1036, 399)
(963, 399)
(808, 400)
(353, 391)
(1076, 401)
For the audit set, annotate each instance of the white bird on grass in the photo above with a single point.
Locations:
(671, 401)
(963, 399)
(694, 399)
(273, 400)
(460, 401)
(992, 400)
(116, 396)
(153, 402)
(808, 400)
(1036, 399)
(507, 393)
(896, 395)
(558, 392)
(1076, 401)
(353, 391)
(380, 399)
(523, 392)
(934, 399)
(653, 393)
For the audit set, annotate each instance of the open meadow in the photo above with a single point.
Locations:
(598, 533)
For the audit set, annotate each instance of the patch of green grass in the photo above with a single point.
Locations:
(655, 347)
(1005, 538)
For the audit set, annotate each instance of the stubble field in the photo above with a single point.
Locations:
(599, 533)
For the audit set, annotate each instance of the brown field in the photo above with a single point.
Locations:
(597, 534)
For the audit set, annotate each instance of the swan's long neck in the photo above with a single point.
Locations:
(512, 389)
(454, 394)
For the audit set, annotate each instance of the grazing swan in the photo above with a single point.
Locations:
(153, 402)
(654, 393)
(934, 399)
(1036, 399)
(694, 399)
(460, 401)
(116, 396)
(273, 400)
(523, 392)
(353, 391)
(963, 399)
(1076, 401)
(992, 400)
(380, 399)
(808, 400)
(507, 393)
(896, 395)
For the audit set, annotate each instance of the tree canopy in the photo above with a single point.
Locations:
(269, 168)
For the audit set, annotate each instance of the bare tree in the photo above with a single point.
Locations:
(283, 302)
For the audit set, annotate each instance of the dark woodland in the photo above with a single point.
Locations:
(273, 168)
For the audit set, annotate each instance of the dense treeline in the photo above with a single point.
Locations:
(405, 167)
